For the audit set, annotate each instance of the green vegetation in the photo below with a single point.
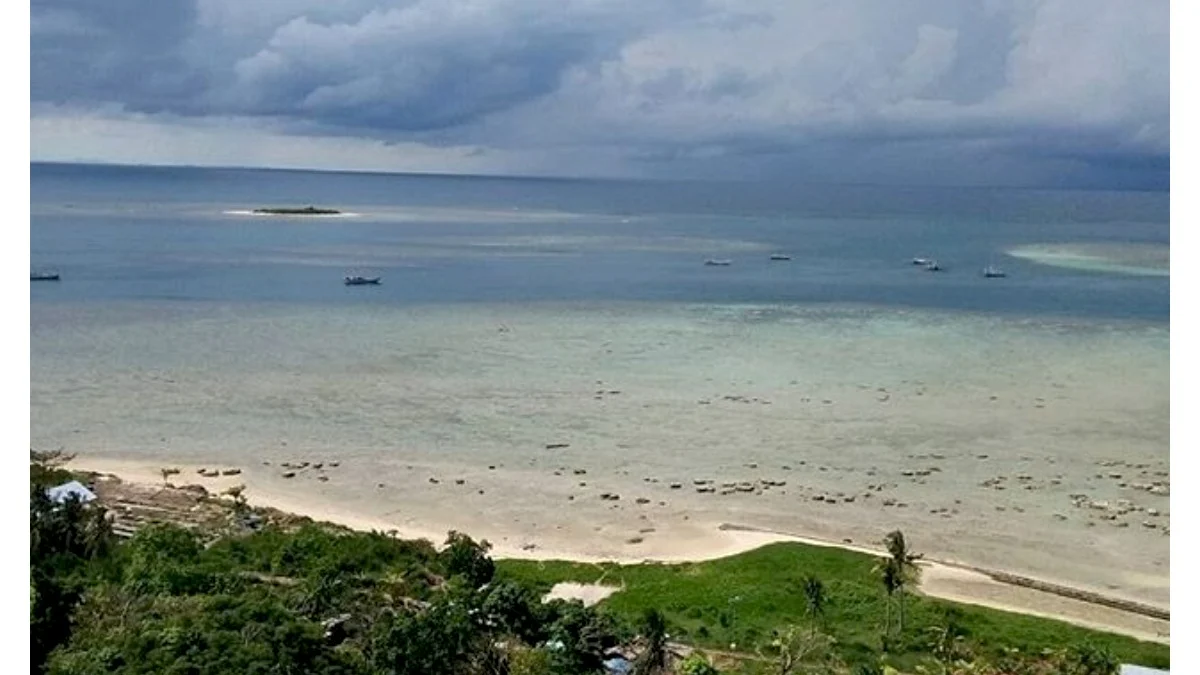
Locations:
(745, 602)
(307, 600)
(303, 211)
(317, 599)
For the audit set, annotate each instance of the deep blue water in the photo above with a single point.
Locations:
(143, 233)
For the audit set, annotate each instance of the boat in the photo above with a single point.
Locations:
(780, 256)
(933, 266)
(713, 262)
(921, 261)
(362, 281)
(992, 272)
(44, 276)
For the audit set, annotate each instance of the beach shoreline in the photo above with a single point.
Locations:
(941, 579)
(635, 432)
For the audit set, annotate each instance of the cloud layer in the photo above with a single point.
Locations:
(850, 88)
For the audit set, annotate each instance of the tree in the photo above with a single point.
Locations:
(890, 576)
(65, 534)
(815, 598)
(465, 558)
(904, 561)
(120, 633)
(161, 560)
(51, 604)
(793, 648)
(46, 468)
(438, 641)
(654, 659)
(322, 592)
(511, 608)
(579, 636)
(64, 538)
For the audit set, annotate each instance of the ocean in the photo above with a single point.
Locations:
(150, 233)
(529, 329)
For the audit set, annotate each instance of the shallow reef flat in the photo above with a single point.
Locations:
(1033, 445)
(1117, 258)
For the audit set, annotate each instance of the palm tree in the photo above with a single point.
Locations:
(653, 659)
(889, 574)
(904, 562)
(814, 594)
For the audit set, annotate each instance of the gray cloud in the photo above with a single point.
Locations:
(123, 50)
(721, 83)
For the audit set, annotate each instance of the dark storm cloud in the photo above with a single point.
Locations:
(392, 66)
(1018, 85)
(123, 51)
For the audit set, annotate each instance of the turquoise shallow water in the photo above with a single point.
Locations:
(850, 398)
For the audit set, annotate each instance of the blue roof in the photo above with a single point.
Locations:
(62, 493)
(618, 666)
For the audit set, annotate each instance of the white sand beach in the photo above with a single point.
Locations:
(1036, 447)
(937, 579)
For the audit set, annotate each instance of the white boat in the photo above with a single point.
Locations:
(780, 256)
(921, 261)
(362, 281)
(992, 272)
(714, 262)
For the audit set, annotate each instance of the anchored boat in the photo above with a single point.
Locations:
(362, 281)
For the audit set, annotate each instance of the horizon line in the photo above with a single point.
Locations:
(575, 179)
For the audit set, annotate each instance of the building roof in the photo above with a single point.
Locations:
(618, 666)
(61, 493)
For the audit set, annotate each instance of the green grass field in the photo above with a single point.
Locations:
(742, 599)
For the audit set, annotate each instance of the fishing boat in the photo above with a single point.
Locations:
(780, 256)
(993, 272)
(933, 266)
(714, 262)
(362, 281)
(44, 276)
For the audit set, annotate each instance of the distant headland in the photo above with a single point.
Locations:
(291, 211)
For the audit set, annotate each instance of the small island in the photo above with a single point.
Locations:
(305, 211)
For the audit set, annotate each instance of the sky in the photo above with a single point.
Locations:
(1053, 93)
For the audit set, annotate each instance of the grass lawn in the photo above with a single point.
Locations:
(740, 600)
